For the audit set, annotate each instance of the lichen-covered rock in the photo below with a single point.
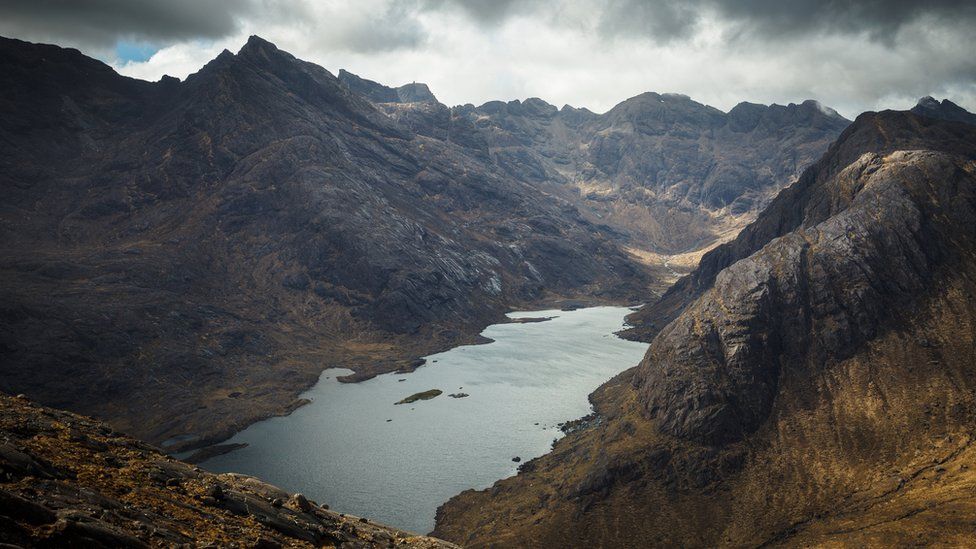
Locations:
(125, 494)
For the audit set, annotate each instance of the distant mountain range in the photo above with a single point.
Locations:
(668, 174)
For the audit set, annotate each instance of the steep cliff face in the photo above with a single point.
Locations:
(69, 481)
(185, 257)
(814, 385)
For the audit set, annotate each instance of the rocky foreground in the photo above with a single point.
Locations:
(70, 481)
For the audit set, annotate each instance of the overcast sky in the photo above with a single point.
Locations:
(850, 55)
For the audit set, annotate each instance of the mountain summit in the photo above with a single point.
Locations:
(944, 110)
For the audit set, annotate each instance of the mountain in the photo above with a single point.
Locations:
(378, 93)
(184, 258)
(414, 107)
(70, 481)
(671, 174)
(669, 177)
(944, 110)
(815, 384)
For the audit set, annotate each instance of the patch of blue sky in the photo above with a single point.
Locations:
(135, 52)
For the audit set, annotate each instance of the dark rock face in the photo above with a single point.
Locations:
(98, 488)
(802, 203)
(944, 110)
(239, 231)
(378, 93)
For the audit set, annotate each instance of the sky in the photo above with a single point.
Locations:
(849, 55)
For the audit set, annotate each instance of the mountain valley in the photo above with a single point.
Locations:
(182, 259)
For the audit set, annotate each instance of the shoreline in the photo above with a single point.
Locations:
(340, 414)
(202, 441)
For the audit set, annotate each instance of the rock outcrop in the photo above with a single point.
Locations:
(813, 383)
(943, 110)
(69, 481)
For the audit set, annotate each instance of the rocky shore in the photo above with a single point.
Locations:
(70, 481)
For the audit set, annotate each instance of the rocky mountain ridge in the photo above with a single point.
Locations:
(668, 177)
(784, 215)
(69, 481)
(944, 110)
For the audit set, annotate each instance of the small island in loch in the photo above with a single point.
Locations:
(424, 395)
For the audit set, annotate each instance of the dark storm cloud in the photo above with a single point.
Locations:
(99, 23)
(391, 28)
(667, 20)
(663, 21)
(484, 11)
(880, 19)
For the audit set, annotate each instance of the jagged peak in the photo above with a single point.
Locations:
(538, 101)
(945, 110)
(259, 51)
(810, 104)
(824, 109)
(671, 106)
(256, 44)
(667, 99)
(414, 92)
(224, 59)
(748, 105)
(538, 107)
